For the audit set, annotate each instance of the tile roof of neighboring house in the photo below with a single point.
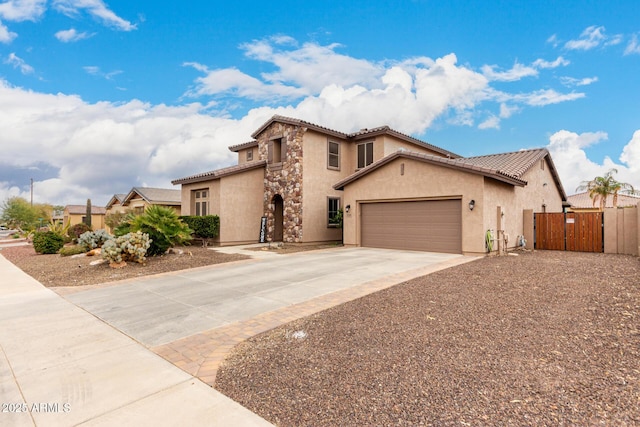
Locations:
(116, 198)
(244, 145)
(361, 134)
(163, 196)
(82, 209)
(583, 201)
(219, 173)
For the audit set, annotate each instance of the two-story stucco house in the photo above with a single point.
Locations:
(298, 175)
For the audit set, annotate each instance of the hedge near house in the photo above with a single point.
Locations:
(204, 227)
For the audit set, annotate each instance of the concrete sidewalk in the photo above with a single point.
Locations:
(61, 366)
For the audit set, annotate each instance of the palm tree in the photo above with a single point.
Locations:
(601, 187)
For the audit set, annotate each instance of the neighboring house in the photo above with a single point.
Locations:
(581, 202)
(75, 214)
(139, 198)
(396, 191)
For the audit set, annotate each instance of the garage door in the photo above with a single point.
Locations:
(433, 226)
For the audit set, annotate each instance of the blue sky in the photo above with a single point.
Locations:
(97, 97)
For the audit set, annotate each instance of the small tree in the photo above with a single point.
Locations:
(18, 213)
(601, 187)
(87, 219)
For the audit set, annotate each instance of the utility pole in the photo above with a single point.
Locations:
(31, 192)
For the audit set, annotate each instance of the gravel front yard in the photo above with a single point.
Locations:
(55, 270)
(544, 338)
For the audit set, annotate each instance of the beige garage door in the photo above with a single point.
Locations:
(433, 226)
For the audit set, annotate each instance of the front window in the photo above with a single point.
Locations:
(365, 154)
(333, 210)
(333, 150)
(201, 198)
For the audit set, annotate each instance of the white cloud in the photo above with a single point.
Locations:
(492, 122)
(571, 81)
(71, 35)
(22, 10)
(544, 97)
(96, 8)
(570, 158)
(19, 64)
(559, 62)
(96, 71)
(553, 40)
(507, 111)
(517, 72)
(590, 38)
(6, 36)
(633, 47)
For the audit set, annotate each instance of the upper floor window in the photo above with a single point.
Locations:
(249, 154)
(201, 202)
(365, 154)
(277, 150)
(333, 152)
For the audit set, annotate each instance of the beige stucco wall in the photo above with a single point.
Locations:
(318, 185)
(214, 196)
(513, 200)
(97, 221)
(242, 155)
(392, 144)
(421, 181)
(240, 207)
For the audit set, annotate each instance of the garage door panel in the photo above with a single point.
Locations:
(433, 225)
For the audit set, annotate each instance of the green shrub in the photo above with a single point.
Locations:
(204, 227)
(47, 242)
(75, 231)
(94, 239)
(163, 227)
(130, 247)
(72, 250)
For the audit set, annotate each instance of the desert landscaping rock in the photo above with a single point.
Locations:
(544, 338)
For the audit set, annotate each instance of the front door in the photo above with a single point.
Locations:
(278, 218)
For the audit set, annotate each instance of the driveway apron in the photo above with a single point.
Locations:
(162, 309)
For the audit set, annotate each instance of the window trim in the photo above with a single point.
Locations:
(330, 154)
(365, 154)
(249, 156)
(329, 200)
(200, 201)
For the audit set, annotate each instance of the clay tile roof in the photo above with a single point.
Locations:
(166, 196)
(459, 164)
(583, 201)
(244, 145)
(219, 173)
(363, 133)
(82, 209)
(513, 164)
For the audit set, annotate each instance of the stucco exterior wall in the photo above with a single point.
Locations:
(420, 181)
(97, 221)
(318, 186)
(392, 144)
(512, 201)
(622, 230)
(242, 155)
(186, 192)
(241, 207)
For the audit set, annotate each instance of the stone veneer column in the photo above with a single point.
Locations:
(285, 181)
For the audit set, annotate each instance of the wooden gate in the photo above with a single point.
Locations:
(572, 231)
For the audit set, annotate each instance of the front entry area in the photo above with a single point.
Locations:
(278, 218)
(425, 225)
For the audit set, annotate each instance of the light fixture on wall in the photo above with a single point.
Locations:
(347, 208)
(472, 204)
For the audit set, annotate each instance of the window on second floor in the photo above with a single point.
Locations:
(201, 202)
(333, 153)
(277, 150)
(249, 154)
(365, 154)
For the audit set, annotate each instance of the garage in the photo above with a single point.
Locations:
(425, 225)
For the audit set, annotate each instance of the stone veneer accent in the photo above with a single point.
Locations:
(285, 181)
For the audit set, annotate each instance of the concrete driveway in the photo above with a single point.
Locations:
(162, 309)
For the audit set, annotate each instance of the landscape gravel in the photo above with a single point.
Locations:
(540, 339)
